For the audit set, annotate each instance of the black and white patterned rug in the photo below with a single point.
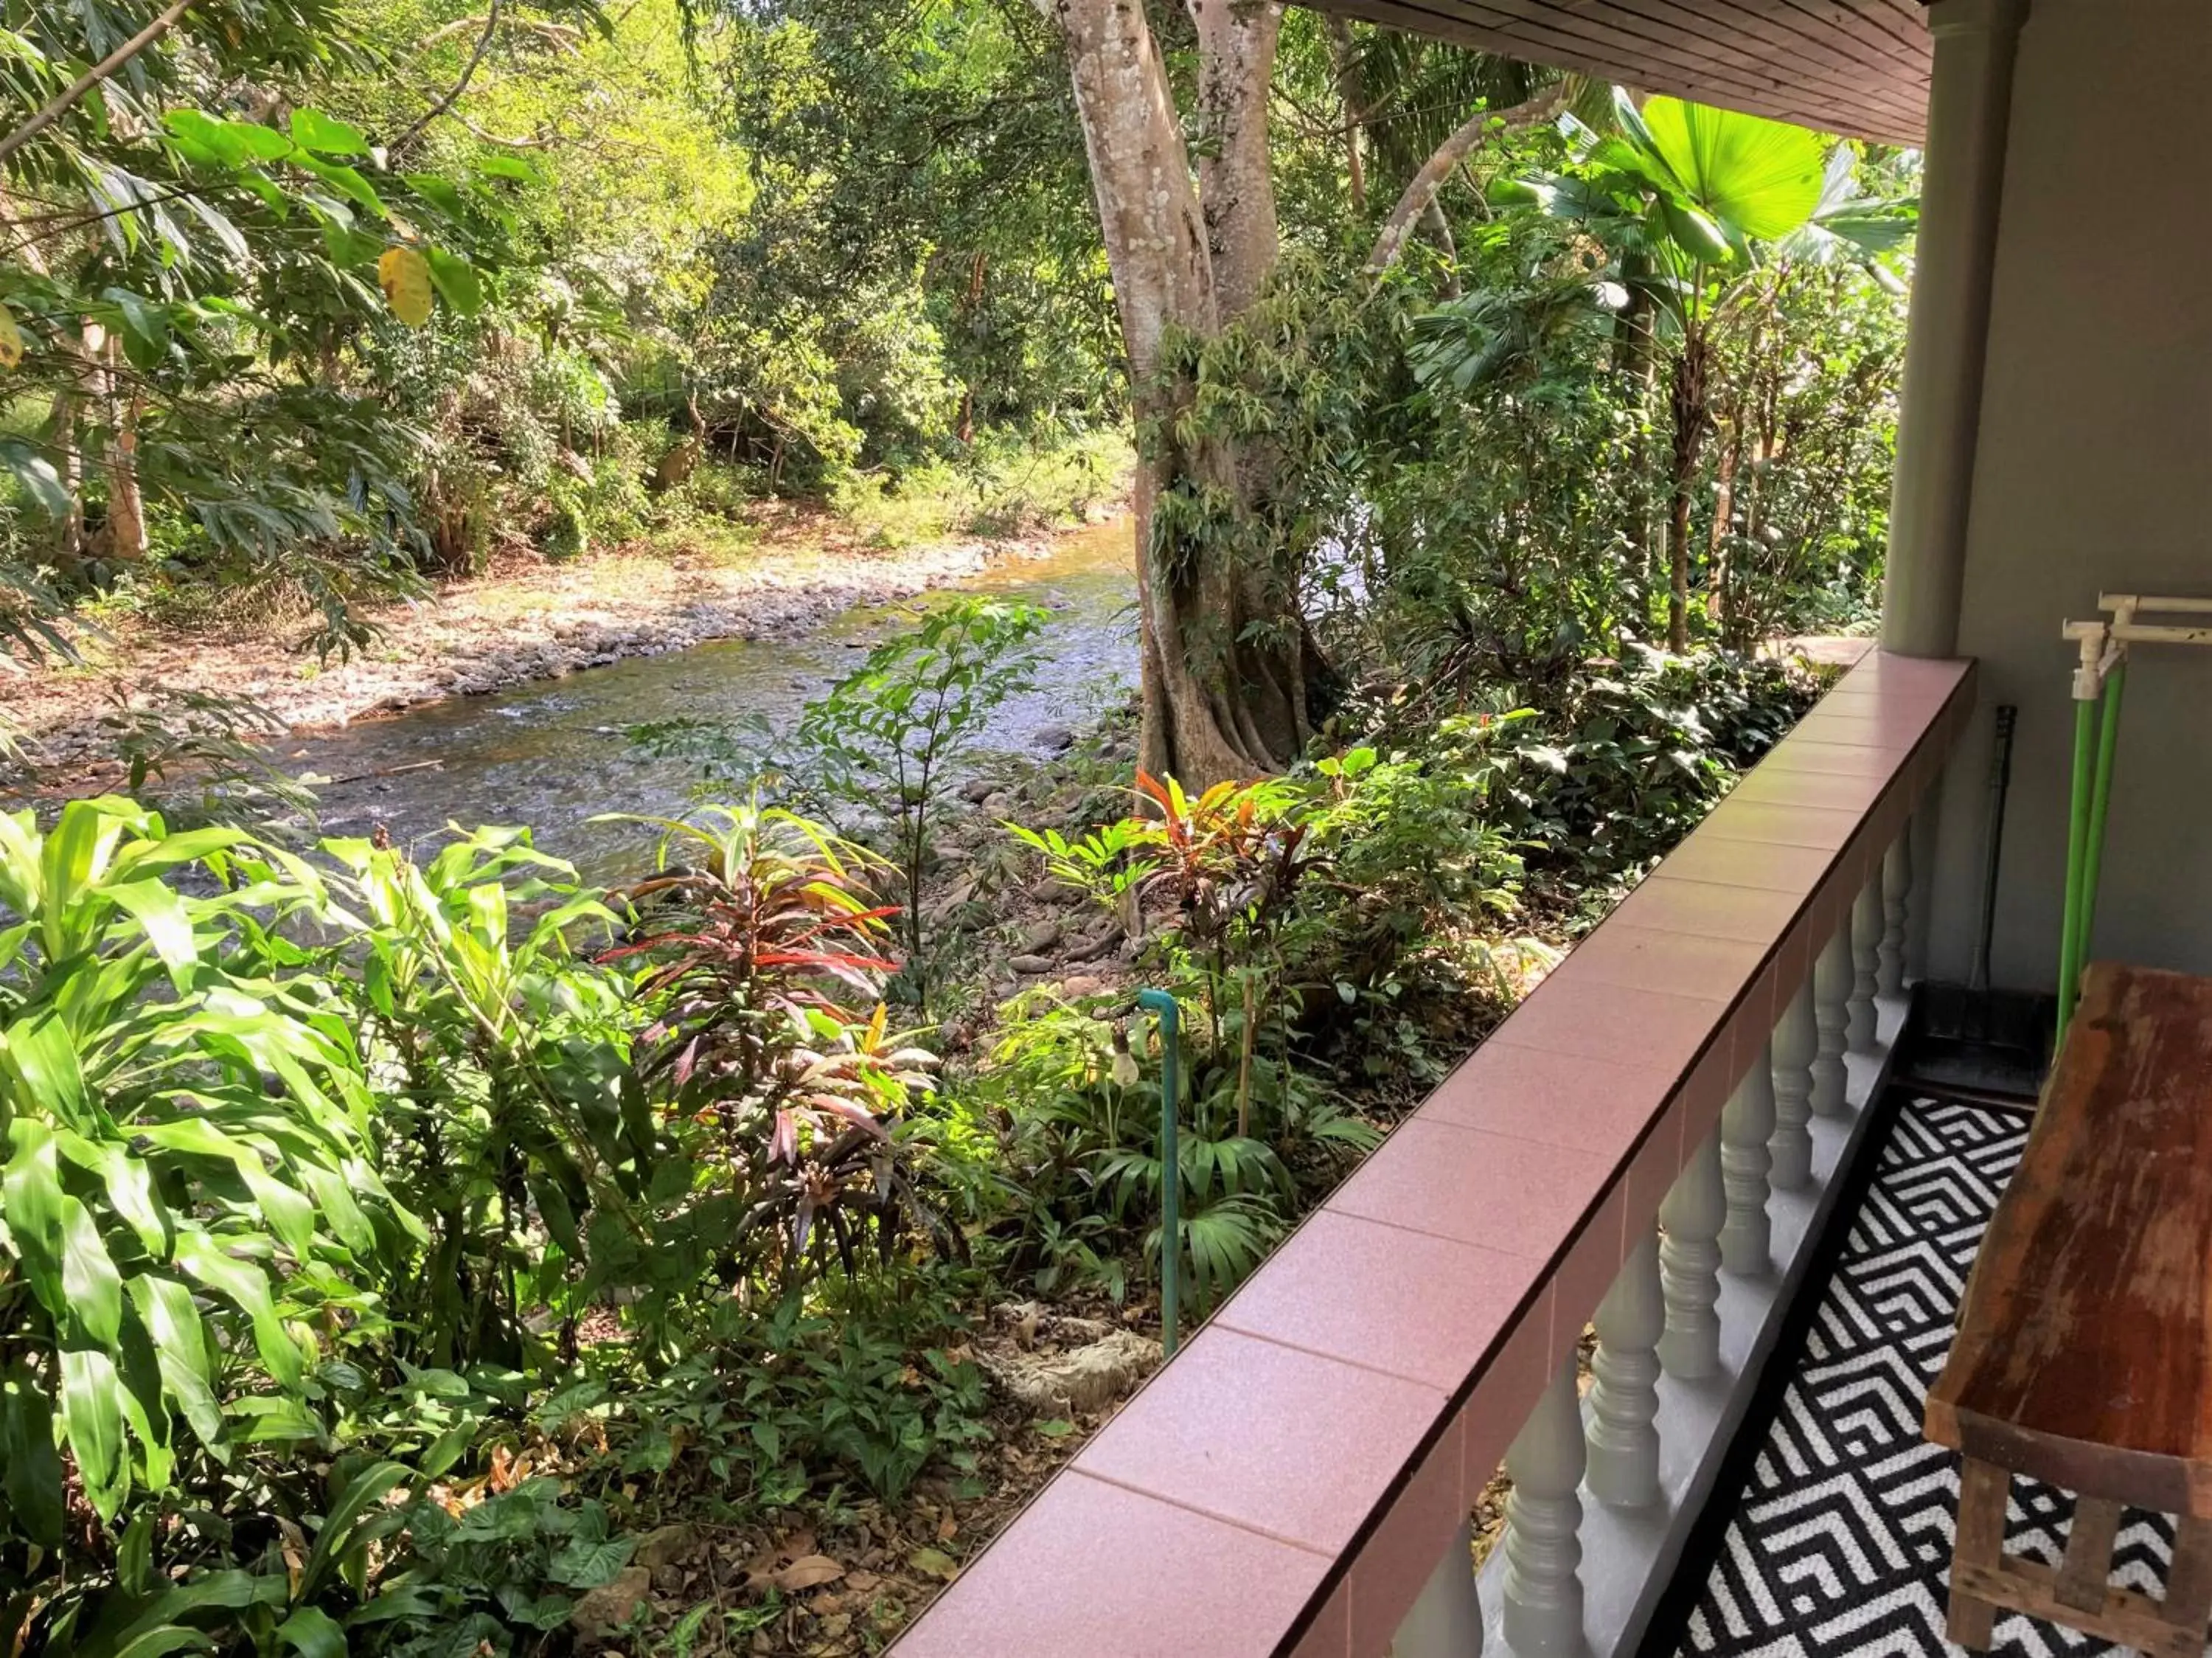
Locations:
(1841, 1539)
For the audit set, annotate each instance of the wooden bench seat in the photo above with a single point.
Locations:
(2084, 1351)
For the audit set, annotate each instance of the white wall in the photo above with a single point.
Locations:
(2094, 471)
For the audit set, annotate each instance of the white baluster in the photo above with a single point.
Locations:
(1746, 1125)
(1832, 991)
(1797, 1040)
(1624, 1395)
(1446, 1621)
(1896, 894)
(1543, 1609)
(1866, 944)
(1690, 1265)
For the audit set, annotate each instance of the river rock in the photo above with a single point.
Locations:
(1055, 739)
(600, 1614)
(976, 791)
(1041, 937)
(1090, 949)
(1082, 985)
(999, 803)
(665, 1546)
(1030, 964)
(1083, 1378)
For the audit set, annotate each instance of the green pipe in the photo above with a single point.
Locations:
(2101, 800)
(2077, 841)
(1169, 1012)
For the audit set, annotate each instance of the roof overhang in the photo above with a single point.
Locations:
(1857, 67)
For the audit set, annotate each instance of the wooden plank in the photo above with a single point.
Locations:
(2087, 1567)
(1626, 32)
(1717, 51)
(2188, 1589)
(1747, 37)
(2084, 1354)
(1508, 36)
(1984, 1490)
(1813, 34)
(1904, 43)
(1625, 46)
(1905, 20)
(2127, 1617)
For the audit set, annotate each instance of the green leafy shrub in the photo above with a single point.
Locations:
(1627, 761)
(188, 1188)
(509, 1116)
(514, 1561)
(770, 1401)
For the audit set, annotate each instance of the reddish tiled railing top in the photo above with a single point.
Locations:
(1289, 1482)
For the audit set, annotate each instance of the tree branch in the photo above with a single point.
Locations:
(1390, 244)
(468, 73)
(67, 97)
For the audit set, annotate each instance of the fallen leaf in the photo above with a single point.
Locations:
(808, 1571)
(947, 1528)
(862, 1582)
(935, 1561)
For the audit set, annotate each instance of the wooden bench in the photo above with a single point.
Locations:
(2084, 1351)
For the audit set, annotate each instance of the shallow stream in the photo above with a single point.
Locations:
(553, 753)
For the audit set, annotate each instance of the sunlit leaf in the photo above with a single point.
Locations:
(92, 1415)
(456, 280)
(404, 276)
(312, 130)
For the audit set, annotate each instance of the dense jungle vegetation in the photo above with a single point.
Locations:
(416, 1250)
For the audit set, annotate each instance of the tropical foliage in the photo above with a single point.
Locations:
(421, 1249)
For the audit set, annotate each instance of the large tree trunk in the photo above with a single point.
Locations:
(1688, 405)
(1221, 641)
(1351, 92)
(1721, 573)
(124, 532)
(1237, 41)
(122, 529)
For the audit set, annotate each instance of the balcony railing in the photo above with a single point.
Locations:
(1653, 1142)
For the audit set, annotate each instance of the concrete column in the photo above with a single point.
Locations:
(1542, 1617)
(1832, 996)
(1861, 1025)
(1896, 921)
(1690, 1220)
(1797, 1041)
(1747, 1123)
(1446, 1622)
(1624, 1395)
(1947, 336)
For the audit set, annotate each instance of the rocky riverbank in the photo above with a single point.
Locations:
(523, 619)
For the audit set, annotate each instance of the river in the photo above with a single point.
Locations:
(553, 753)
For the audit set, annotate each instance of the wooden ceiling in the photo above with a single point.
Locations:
(1858, 67)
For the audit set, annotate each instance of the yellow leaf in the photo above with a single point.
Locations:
(11, 339)
(404, 276)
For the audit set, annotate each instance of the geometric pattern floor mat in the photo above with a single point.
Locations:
(1840, 1541)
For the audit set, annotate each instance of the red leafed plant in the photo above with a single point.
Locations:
(759, 951)
(1231, 854)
